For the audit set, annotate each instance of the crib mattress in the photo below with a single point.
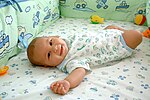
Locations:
(127, 79)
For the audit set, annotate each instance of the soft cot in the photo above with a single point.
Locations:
(22, 20)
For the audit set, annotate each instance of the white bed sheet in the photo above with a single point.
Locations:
(127, 79)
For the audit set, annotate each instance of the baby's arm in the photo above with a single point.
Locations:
(71, 81)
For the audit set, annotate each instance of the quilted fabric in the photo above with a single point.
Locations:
(124, 10)
(20, 21)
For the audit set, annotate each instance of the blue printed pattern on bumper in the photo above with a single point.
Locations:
(4, 3)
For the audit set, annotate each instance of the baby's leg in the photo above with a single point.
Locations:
(132, 38)
(113, 27)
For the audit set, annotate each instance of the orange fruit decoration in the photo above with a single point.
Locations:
(146, 33)
(3, 70)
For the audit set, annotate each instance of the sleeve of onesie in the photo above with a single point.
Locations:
(76, 63)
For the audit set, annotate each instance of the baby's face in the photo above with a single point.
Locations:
(50, 51)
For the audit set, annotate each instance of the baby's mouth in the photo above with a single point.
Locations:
(61, 50)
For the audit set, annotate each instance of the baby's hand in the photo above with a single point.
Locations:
(60, 87)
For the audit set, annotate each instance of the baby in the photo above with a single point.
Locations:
(76, 53)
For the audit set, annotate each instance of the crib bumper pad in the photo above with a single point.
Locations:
(20, 21)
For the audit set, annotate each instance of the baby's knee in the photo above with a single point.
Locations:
(132, 38)
(137, 35)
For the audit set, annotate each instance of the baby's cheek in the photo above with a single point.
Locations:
(56, 61)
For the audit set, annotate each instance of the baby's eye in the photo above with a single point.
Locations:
(50, 43)
(49, 54)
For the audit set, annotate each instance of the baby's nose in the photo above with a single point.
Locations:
(55, 48)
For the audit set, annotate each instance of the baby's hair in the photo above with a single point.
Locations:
(30, 51)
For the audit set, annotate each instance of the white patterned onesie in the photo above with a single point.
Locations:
(92, 49)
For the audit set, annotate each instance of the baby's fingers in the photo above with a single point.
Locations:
(55, 88)
(64, 91)
(61, 90)
(53, 84)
